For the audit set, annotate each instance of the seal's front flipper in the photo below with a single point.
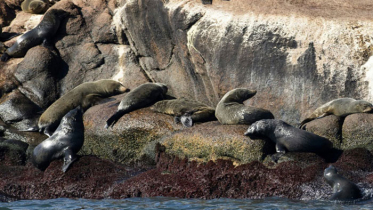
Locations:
(114, 118)
(4, 57)
(91, 100)
(281, 150)
(177, 119)
(47, 131)
(186, 120)
(69, 158)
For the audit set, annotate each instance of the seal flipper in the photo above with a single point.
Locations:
(91, 100)
(69, 158)
(281, 150)
(4, 57)
(114, 118)
(186, 120)
(177, 119)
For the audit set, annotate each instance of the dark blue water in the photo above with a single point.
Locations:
(179, 204)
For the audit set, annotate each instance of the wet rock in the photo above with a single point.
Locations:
(329, 127)
(357, 131)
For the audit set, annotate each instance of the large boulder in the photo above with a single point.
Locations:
(357, 131)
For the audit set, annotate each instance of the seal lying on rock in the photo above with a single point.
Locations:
(142, 96)
(42, 33)
(340, 107)
(84, 95)
(343, 189)
(65, 142)
(35, 6)
(185, 111)
(231, 110)
(288, 138)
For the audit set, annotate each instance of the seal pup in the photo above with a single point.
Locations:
(231, 110)
(343, 189)
(65, 142)
(35, 6)
(142, 96)
(84, 95)
(42, 34)
(340, 107)
(185, 111)
(288, 138)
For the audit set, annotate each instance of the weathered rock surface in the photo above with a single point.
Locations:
(296, 54)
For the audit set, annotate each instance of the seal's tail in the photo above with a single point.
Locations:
(114, 118)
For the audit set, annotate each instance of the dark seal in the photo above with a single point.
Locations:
(343, 189)
(288, 138)
(43, 33)
(185, 111)
(65, 142)
(231, 110)
(142, 96)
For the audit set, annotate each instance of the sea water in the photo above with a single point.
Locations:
(179, 204)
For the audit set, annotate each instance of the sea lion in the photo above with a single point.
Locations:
(185, 111)
(288, 138)
(42, 33)
(65, 142)
(35, 6)
(343, 189)
(84, 95)
(142, 96)
(340, 107)
(231, 110)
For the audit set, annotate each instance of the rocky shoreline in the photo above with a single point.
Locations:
(201, 52)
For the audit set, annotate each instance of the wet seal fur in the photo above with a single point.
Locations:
(185, 111)
(340, 107)
(84, 95)
(288, 138)
(231, 110)
(65, 142)
(343, 189)
(142, 96)
(35, 6)
(43, 33)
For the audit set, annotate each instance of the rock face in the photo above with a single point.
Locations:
(297, 55)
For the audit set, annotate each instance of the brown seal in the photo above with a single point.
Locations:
(142, 96)
(35, 6)
(84, 95)
(340, 107)
(231, 110)
(185, 111)
(42, 33)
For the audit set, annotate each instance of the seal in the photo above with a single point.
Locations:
(231, 110)
(288, 138)
(340, 107)
(84, 95)
(65, 142)
(343, 189)
(35, 6)
(142, 96)
(43, 33)
(185, 111)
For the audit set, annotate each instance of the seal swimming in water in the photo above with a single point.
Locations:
(35, 6)
(142, 96)
(65, 142)
(231, 110)
(42, 33)
(288, 138)
(84, 95)
(343, 188)
(185, 111)
(340, 107)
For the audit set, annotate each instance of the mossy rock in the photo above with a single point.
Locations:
(357, 131)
